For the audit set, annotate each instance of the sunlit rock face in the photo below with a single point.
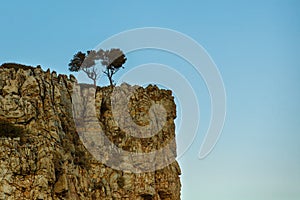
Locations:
(81, 142)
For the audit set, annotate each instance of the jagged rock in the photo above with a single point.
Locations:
(61, 185)
(50, 160)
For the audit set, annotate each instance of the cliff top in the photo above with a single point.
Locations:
(17, 66)
(65, 156)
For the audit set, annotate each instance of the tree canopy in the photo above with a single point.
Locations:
(112, 60)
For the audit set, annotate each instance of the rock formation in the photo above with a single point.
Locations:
(61, 156)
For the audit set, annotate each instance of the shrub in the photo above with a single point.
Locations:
(121, 182)
(147, 196)
(81, 159)
(10, 130)
(58, 163)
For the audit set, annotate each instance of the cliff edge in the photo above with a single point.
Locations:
(60, 155)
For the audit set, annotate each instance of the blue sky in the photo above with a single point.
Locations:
(255, 45)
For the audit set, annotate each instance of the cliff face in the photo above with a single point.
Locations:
(62, 156)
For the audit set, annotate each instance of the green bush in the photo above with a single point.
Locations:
(121, 182)
(10, 130)
(81, 159)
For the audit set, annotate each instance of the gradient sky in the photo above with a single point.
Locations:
(255, 45)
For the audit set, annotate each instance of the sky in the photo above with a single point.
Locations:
(255, 46)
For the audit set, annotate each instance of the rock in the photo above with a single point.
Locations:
(50, 160)
(61, 185)
(6, 189)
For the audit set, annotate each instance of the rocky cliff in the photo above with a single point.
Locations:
(77, 144)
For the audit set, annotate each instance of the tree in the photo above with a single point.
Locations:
(112, 59)
(86, 63)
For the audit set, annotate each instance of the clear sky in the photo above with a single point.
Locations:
(255, 45)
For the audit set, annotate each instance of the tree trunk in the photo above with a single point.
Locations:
(111, 81)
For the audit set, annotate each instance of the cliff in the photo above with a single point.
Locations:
(77, 144)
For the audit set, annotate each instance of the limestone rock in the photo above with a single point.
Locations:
(61, 185)
(53, 159)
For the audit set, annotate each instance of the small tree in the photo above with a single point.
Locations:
(112, 59)
(86, 63)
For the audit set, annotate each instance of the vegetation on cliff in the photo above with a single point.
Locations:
(10, 130)
(112, 60)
